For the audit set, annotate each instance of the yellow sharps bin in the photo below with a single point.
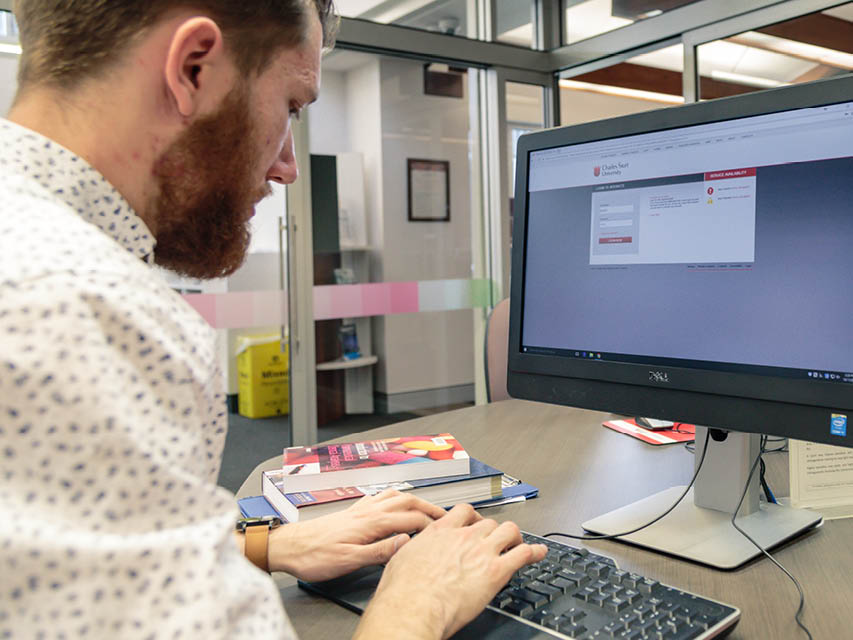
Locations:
(263, 372)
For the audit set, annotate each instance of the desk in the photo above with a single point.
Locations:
(583, 470)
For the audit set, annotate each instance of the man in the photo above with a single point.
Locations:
(145, 132)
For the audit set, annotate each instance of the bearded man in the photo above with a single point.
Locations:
(144, 132)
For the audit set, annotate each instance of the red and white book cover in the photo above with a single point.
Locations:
(680, 432)
(372, 462)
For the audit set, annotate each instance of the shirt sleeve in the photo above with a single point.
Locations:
(112, 424)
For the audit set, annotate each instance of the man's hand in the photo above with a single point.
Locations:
(445, 576)
(359, 536)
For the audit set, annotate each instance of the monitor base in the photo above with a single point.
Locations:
(703, 535)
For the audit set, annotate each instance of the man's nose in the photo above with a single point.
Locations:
(284, 170)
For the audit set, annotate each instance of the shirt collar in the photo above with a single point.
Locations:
(74, 181)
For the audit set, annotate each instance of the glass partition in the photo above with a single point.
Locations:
(587, 18)
(525, 112)
(810, 47)
(393, 144)
(453, 17)
(648, 81)
(515, 20)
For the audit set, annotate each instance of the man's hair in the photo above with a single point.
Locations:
(66, 41)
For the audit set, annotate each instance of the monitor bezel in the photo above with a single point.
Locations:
(740, 401)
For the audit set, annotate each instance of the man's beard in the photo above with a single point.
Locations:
(206, 193)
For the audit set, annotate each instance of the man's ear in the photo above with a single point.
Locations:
(196, 54)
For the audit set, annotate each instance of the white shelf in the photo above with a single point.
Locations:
(333, 365)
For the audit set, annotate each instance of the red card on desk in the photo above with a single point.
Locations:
(681, 433)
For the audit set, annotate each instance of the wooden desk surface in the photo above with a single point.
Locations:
(583, 470)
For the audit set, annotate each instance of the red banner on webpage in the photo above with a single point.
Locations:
(730, 173)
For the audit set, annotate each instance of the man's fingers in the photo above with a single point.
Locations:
(384, 524)
(505, 536)
(485, 526)
(392, 500)
(380, 552)
(522, 554)
(459, 516)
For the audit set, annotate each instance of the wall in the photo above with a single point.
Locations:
(426, 350)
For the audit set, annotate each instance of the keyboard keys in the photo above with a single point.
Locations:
(574, 615)
(612, 630)
(562, 584)
(501, 600)
(520, 581)
(632, 580)
(544, 589)
(617, 575)
(555, 555)
(702, 620)
(531, 597)
(630, 595)
(584, 595)
(647, 586)
(615, 605)
(574, 630)
(518, 607)
(578, 578)
(546, 618)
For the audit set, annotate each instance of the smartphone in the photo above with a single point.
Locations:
(654, 424)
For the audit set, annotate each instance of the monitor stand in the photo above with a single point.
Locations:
(700, 528)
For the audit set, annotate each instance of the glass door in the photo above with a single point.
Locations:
(393, 174)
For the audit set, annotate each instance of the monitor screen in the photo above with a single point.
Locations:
(692, 263)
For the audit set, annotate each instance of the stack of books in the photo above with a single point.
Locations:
(315, 481)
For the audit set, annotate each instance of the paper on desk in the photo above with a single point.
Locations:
(821, 478)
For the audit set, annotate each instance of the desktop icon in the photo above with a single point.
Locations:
(584, 354)
(710, 191)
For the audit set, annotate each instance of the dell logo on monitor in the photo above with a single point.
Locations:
(659, 376)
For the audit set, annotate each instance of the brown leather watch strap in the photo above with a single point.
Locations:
(257, 543)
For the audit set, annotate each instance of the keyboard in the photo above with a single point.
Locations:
(571, 593)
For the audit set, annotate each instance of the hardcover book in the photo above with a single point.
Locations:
(372, 462)
(482, 483)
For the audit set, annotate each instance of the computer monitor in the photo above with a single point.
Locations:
(694, 263)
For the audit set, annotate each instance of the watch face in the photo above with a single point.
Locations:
(270, 521)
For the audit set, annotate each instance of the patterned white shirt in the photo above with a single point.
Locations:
(112, 423)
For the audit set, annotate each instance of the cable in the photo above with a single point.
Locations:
(596, 536)
(677, 427)
(764, 551)
(767, 492)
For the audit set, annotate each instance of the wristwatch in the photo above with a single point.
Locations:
(257, 532)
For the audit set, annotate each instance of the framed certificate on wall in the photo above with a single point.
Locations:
(429, 190)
